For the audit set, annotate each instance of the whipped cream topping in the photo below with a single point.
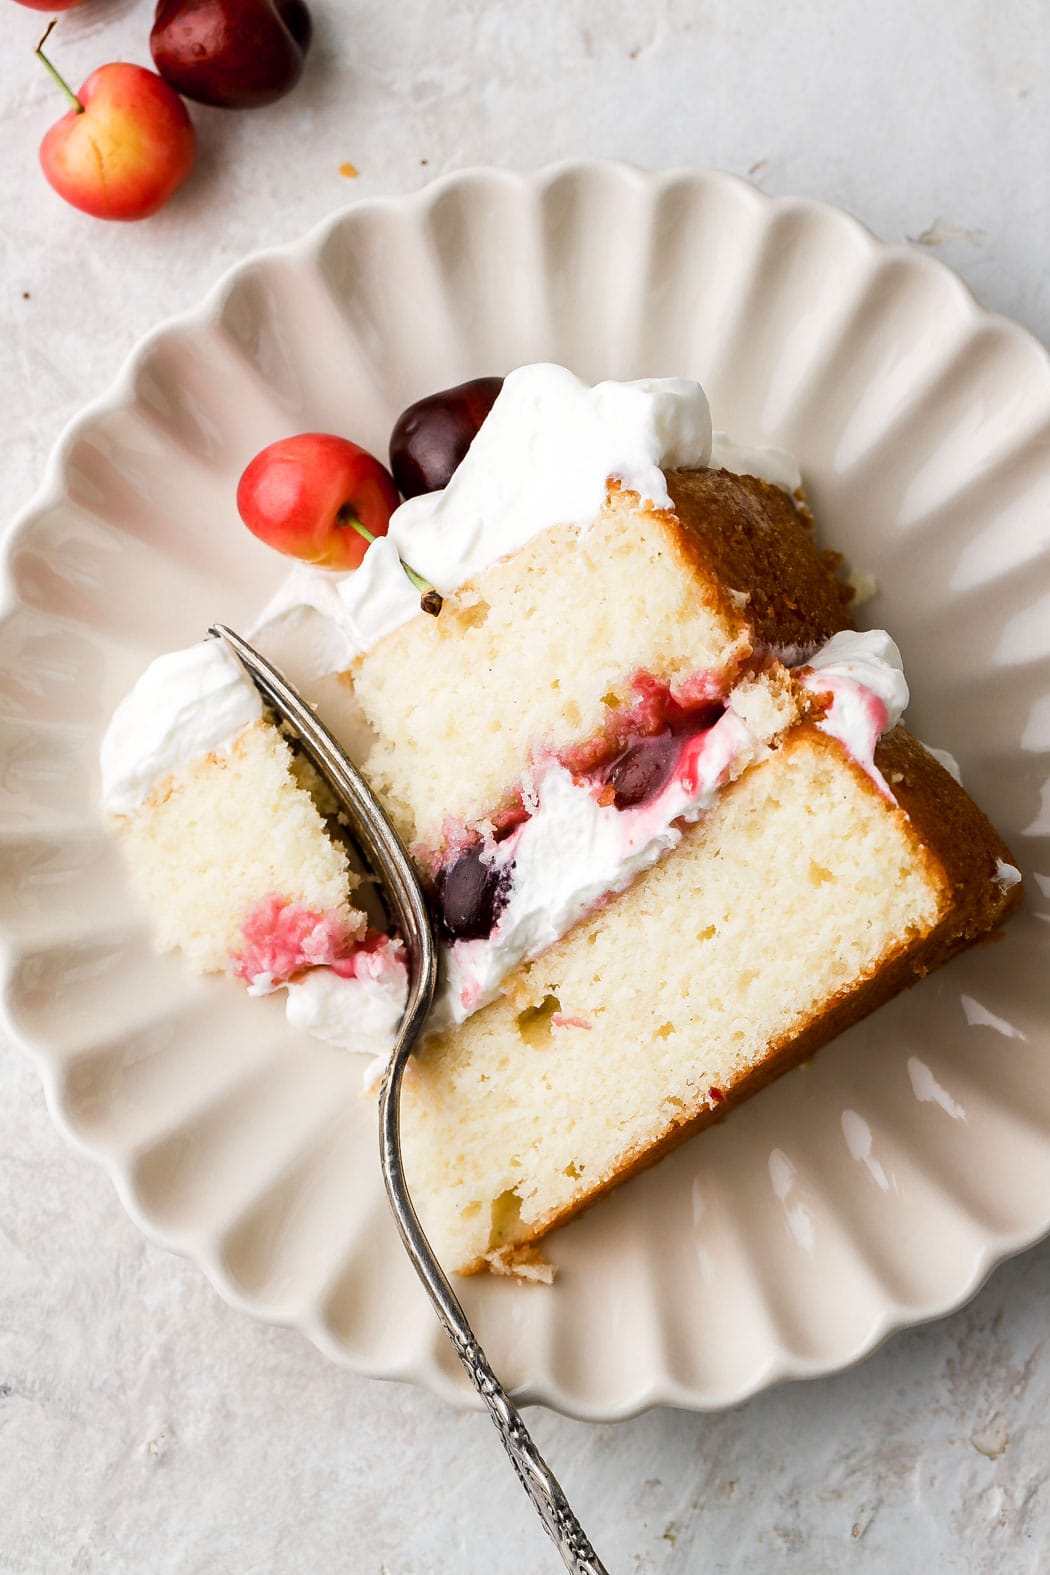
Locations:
(774, 465)
(319, 620)
(573, 852)
(361, 1013)
(864, 675)
(186, 704)
(944, 758)
(543, 457)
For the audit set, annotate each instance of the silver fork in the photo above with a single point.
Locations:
(385, 853)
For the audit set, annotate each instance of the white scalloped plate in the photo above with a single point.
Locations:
(871, 1189)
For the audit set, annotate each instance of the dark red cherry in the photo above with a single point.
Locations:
(431, 437)
(471, 895)
(234, 54)
(642, 770)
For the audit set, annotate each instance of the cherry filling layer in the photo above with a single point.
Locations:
(644, 749)
(282, 939)
(692, 705)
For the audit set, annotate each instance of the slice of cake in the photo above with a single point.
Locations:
(234, 848)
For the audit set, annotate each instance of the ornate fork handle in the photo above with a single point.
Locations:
(533, 1472)
(386, 854)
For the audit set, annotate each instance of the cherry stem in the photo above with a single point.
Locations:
(63, 84)
(431, 599)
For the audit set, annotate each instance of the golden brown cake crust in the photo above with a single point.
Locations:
(962, 848)
(743, 532)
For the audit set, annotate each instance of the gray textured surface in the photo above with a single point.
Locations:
(145, 1426)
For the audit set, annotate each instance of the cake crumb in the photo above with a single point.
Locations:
(349, 171)
(159, 1446)
(521, 1263)
(863, 586)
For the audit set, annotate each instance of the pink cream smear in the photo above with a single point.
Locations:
(283, 938)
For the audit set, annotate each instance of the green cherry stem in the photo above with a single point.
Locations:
(429, 599)
(63, 84)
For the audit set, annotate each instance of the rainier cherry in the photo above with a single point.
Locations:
(123, 148)
(307, 495)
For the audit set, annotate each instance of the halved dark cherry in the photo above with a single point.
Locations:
(471, 895)
(642, 770)
(431, 437)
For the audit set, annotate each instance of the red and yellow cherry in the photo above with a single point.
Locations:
(308, 495)
(125, 145)
(431, 437)
(234, 54)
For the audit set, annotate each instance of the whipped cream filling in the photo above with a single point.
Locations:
(946, 759)
(574, 852)
(570, 855)
(362, 1012)
(186, 704)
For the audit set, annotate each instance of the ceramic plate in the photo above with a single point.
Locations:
(873, 1188)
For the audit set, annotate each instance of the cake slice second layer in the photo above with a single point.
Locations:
(805, 899)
